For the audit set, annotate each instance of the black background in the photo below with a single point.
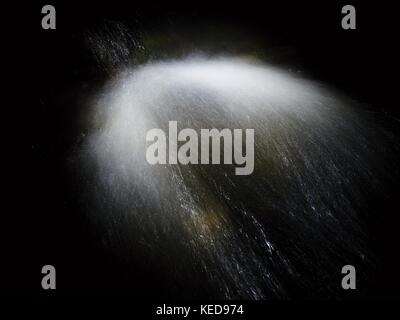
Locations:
(51, 66)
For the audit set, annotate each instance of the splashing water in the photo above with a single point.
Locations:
(287, 227)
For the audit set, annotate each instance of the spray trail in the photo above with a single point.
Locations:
(290, 225)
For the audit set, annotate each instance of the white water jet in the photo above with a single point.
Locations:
(242, 234)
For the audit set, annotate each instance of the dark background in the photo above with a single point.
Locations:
(55, 66)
